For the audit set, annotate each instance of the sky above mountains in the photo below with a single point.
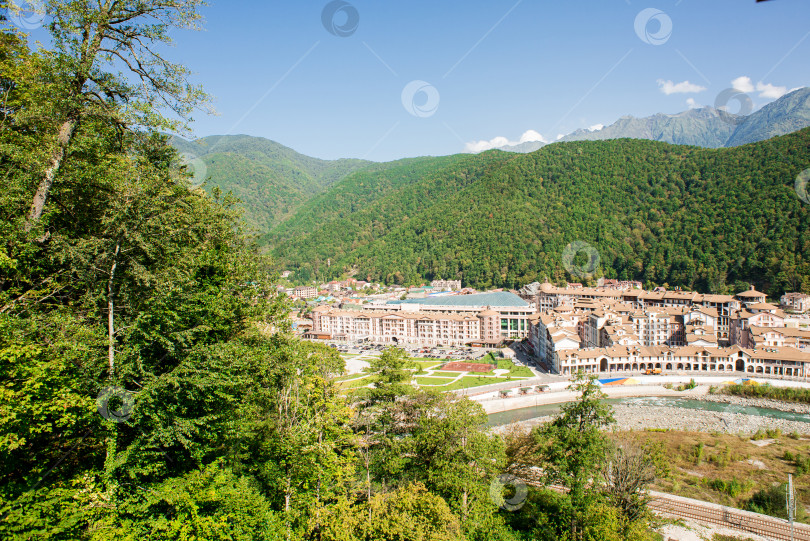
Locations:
(385, 80)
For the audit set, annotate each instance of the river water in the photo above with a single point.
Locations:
(524, 414)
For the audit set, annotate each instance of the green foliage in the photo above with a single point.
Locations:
(211, 503)
(786, 394)
(270, 180)
(732, 487)
(411, 513)
(772, 501)
(391, 375)
(573, 446)
(500, 219)
(769, 433)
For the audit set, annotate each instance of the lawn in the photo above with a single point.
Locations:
(514, 371)
(474, 381)
(350, 376)
(446, 374)
(426, 363)
(430, 381)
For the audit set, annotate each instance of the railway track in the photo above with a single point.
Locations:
(718, 515)
(702, 512)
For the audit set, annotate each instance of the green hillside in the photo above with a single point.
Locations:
(270, 179)
(699, 218)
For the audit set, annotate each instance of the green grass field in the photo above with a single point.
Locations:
(431, 381)
(514, 371)
(473, 381)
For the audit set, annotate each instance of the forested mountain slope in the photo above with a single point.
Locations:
(270, 179)
(698, 218)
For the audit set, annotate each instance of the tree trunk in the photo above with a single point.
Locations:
(111, 314)
(44, 188)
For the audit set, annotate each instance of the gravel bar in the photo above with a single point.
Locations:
(636, 417)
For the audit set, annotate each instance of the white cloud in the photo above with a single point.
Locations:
(771, 91)
(742, 84)
(559, 136)
(766, 90)
(692, 103)
(529, 136)
(684, 87)
(596, 127)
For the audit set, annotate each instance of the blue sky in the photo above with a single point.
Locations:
(494, 69)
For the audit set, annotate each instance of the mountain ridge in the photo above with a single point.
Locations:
(705, 126)
(686, 216)
(270, 179)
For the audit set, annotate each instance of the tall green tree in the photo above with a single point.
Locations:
(90, 40)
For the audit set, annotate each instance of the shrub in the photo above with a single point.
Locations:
(802, 465)
(771, 501)
(787, 394)
(773, 433)
(733, 487)
(699, 454)
(759, 435)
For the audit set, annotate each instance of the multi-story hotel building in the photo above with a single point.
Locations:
(786, 361)
(485, 318)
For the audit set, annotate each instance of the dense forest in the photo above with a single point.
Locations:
(703, 219)
(270, 180)
(149, 385)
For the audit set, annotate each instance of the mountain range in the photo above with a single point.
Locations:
(704, 127)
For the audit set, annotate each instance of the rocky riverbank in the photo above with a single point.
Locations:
(792, 407)
(637, 417)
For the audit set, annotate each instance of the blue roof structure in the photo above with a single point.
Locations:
(495, 299)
